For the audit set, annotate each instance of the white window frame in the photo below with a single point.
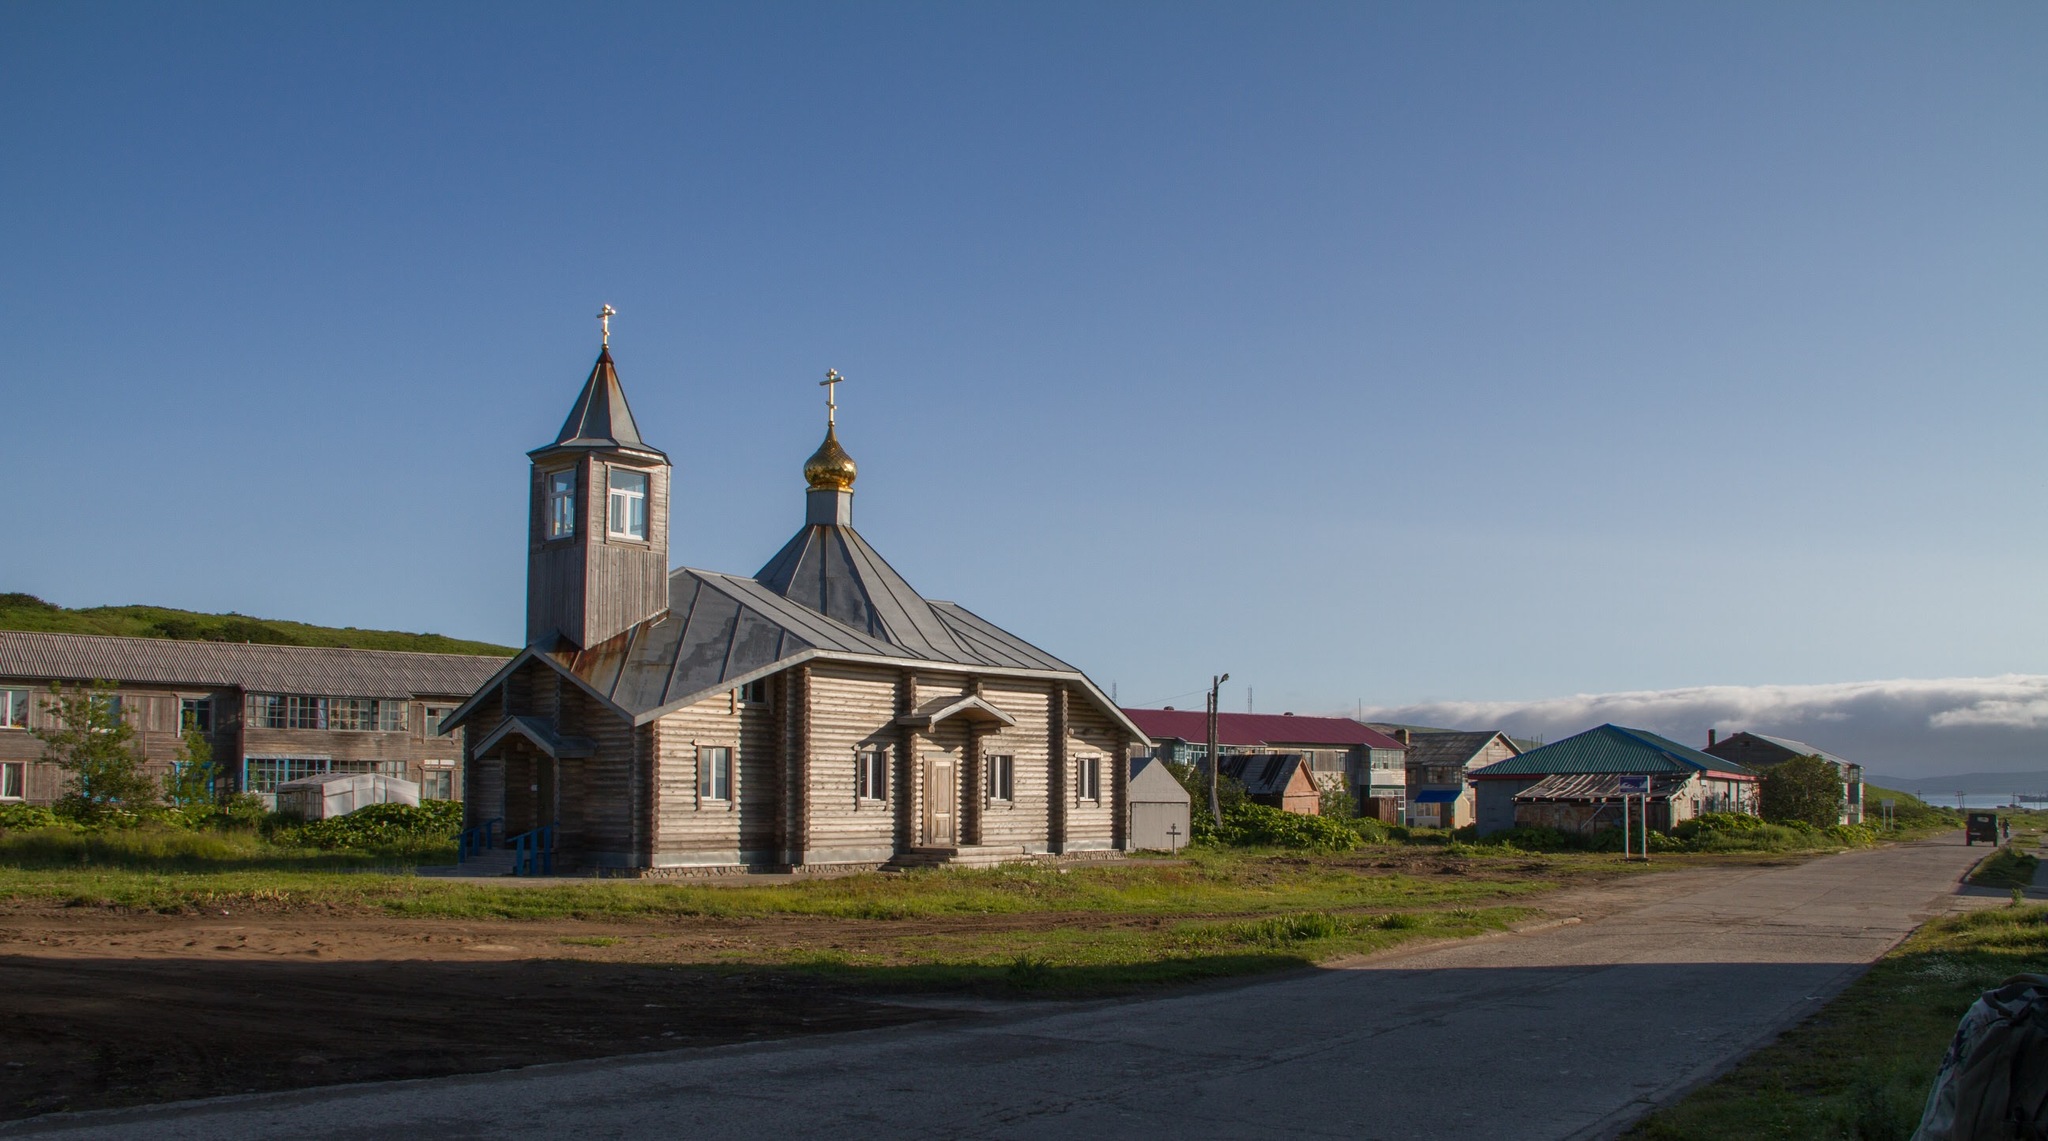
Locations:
(871, 774)
(561, 503)
(14, 707)
(620, 503)
(431, 716)
(1088, 779)
(714, 773)
(1000, 784)
(13, 780)
(432, 773)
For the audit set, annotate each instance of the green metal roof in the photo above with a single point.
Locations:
(1610, 749)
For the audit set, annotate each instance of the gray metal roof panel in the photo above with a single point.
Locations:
(309, 670)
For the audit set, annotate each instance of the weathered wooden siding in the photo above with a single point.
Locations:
(693, 830)
(1021, 821)
(1095, 823)
(591, 586)
(155, 713)
(603, 799)
(852, 709)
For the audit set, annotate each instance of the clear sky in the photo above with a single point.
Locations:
(1370, 352)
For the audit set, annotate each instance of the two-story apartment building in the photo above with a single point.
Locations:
(270, 713)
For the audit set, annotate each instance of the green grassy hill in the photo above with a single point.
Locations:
(27, 612)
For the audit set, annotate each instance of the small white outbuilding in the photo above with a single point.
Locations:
(338, 794)
(1159, 807)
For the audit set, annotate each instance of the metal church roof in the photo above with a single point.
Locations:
(600, 418)
(1611, 749)
(309, 670)
(722, 631)
(830, 569)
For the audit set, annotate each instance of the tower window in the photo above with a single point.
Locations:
(626, 515)
(561, 504)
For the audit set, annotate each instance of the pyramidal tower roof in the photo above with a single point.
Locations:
(601, 418)
(830, 569)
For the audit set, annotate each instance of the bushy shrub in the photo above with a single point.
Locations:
(376, 828)
(23, 817)
(1256, 825)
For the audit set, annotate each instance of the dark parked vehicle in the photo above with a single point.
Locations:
(1980, 826)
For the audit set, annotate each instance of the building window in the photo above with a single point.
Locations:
(195, 713)
(357, 714)
(755, 692)
(561, 503)
(714, 772)
(626, 512)
(264, 774)
(873, 774)
(1088, 779)
(13, 780)
(430, 720)
(13, 709)
(437, 784)
(1002, 776)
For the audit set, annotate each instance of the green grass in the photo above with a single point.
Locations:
(1860, 1070)
(2007, 867)
(1073, 961)
(27, 612)
(1915, 817)
(1209, 883)
(180, 852)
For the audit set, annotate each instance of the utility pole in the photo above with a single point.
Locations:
(1215, 770)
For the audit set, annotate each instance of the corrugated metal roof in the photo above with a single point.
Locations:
(1254, 729)
(310, 670)
(1449, 748)
(1611, 749)
(1596, 786)
(1792, 748)
(1264, 774)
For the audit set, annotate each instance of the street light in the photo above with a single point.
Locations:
(1215, 775)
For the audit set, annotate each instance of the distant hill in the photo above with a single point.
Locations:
(27, 612)
(1969, 784)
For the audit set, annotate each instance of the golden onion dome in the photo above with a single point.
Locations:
(830, 468)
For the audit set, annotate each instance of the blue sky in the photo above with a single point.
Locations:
(1371, 353)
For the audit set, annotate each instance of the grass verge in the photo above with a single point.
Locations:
(2007, 867)
(1860, 1069)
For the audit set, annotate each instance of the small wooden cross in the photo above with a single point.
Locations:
(832, 378)
(604, 323)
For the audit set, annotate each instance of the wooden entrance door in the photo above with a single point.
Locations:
(941, 801)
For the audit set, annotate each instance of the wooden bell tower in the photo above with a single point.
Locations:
(597, 534)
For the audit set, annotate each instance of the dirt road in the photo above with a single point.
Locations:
(1564, 1033)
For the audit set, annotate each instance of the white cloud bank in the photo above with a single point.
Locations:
(1908, 727)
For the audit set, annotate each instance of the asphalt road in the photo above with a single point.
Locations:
(1567, 1032)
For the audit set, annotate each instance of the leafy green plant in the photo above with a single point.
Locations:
(395, 828)
(1802, 790)
(24, 817)
(190, 782)
(1247, 824)
(95, 746)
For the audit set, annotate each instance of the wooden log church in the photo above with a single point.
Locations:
(817, 713)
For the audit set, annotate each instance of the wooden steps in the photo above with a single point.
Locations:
(964, 856)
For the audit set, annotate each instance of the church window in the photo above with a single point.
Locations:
(626, 515)
(873, 774)
(1088, 779)
(561, 504)
(755, 692)
(714, 772)
(1002, 776)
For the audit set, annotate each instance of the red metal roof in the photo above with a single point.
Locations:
(1258, 728)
